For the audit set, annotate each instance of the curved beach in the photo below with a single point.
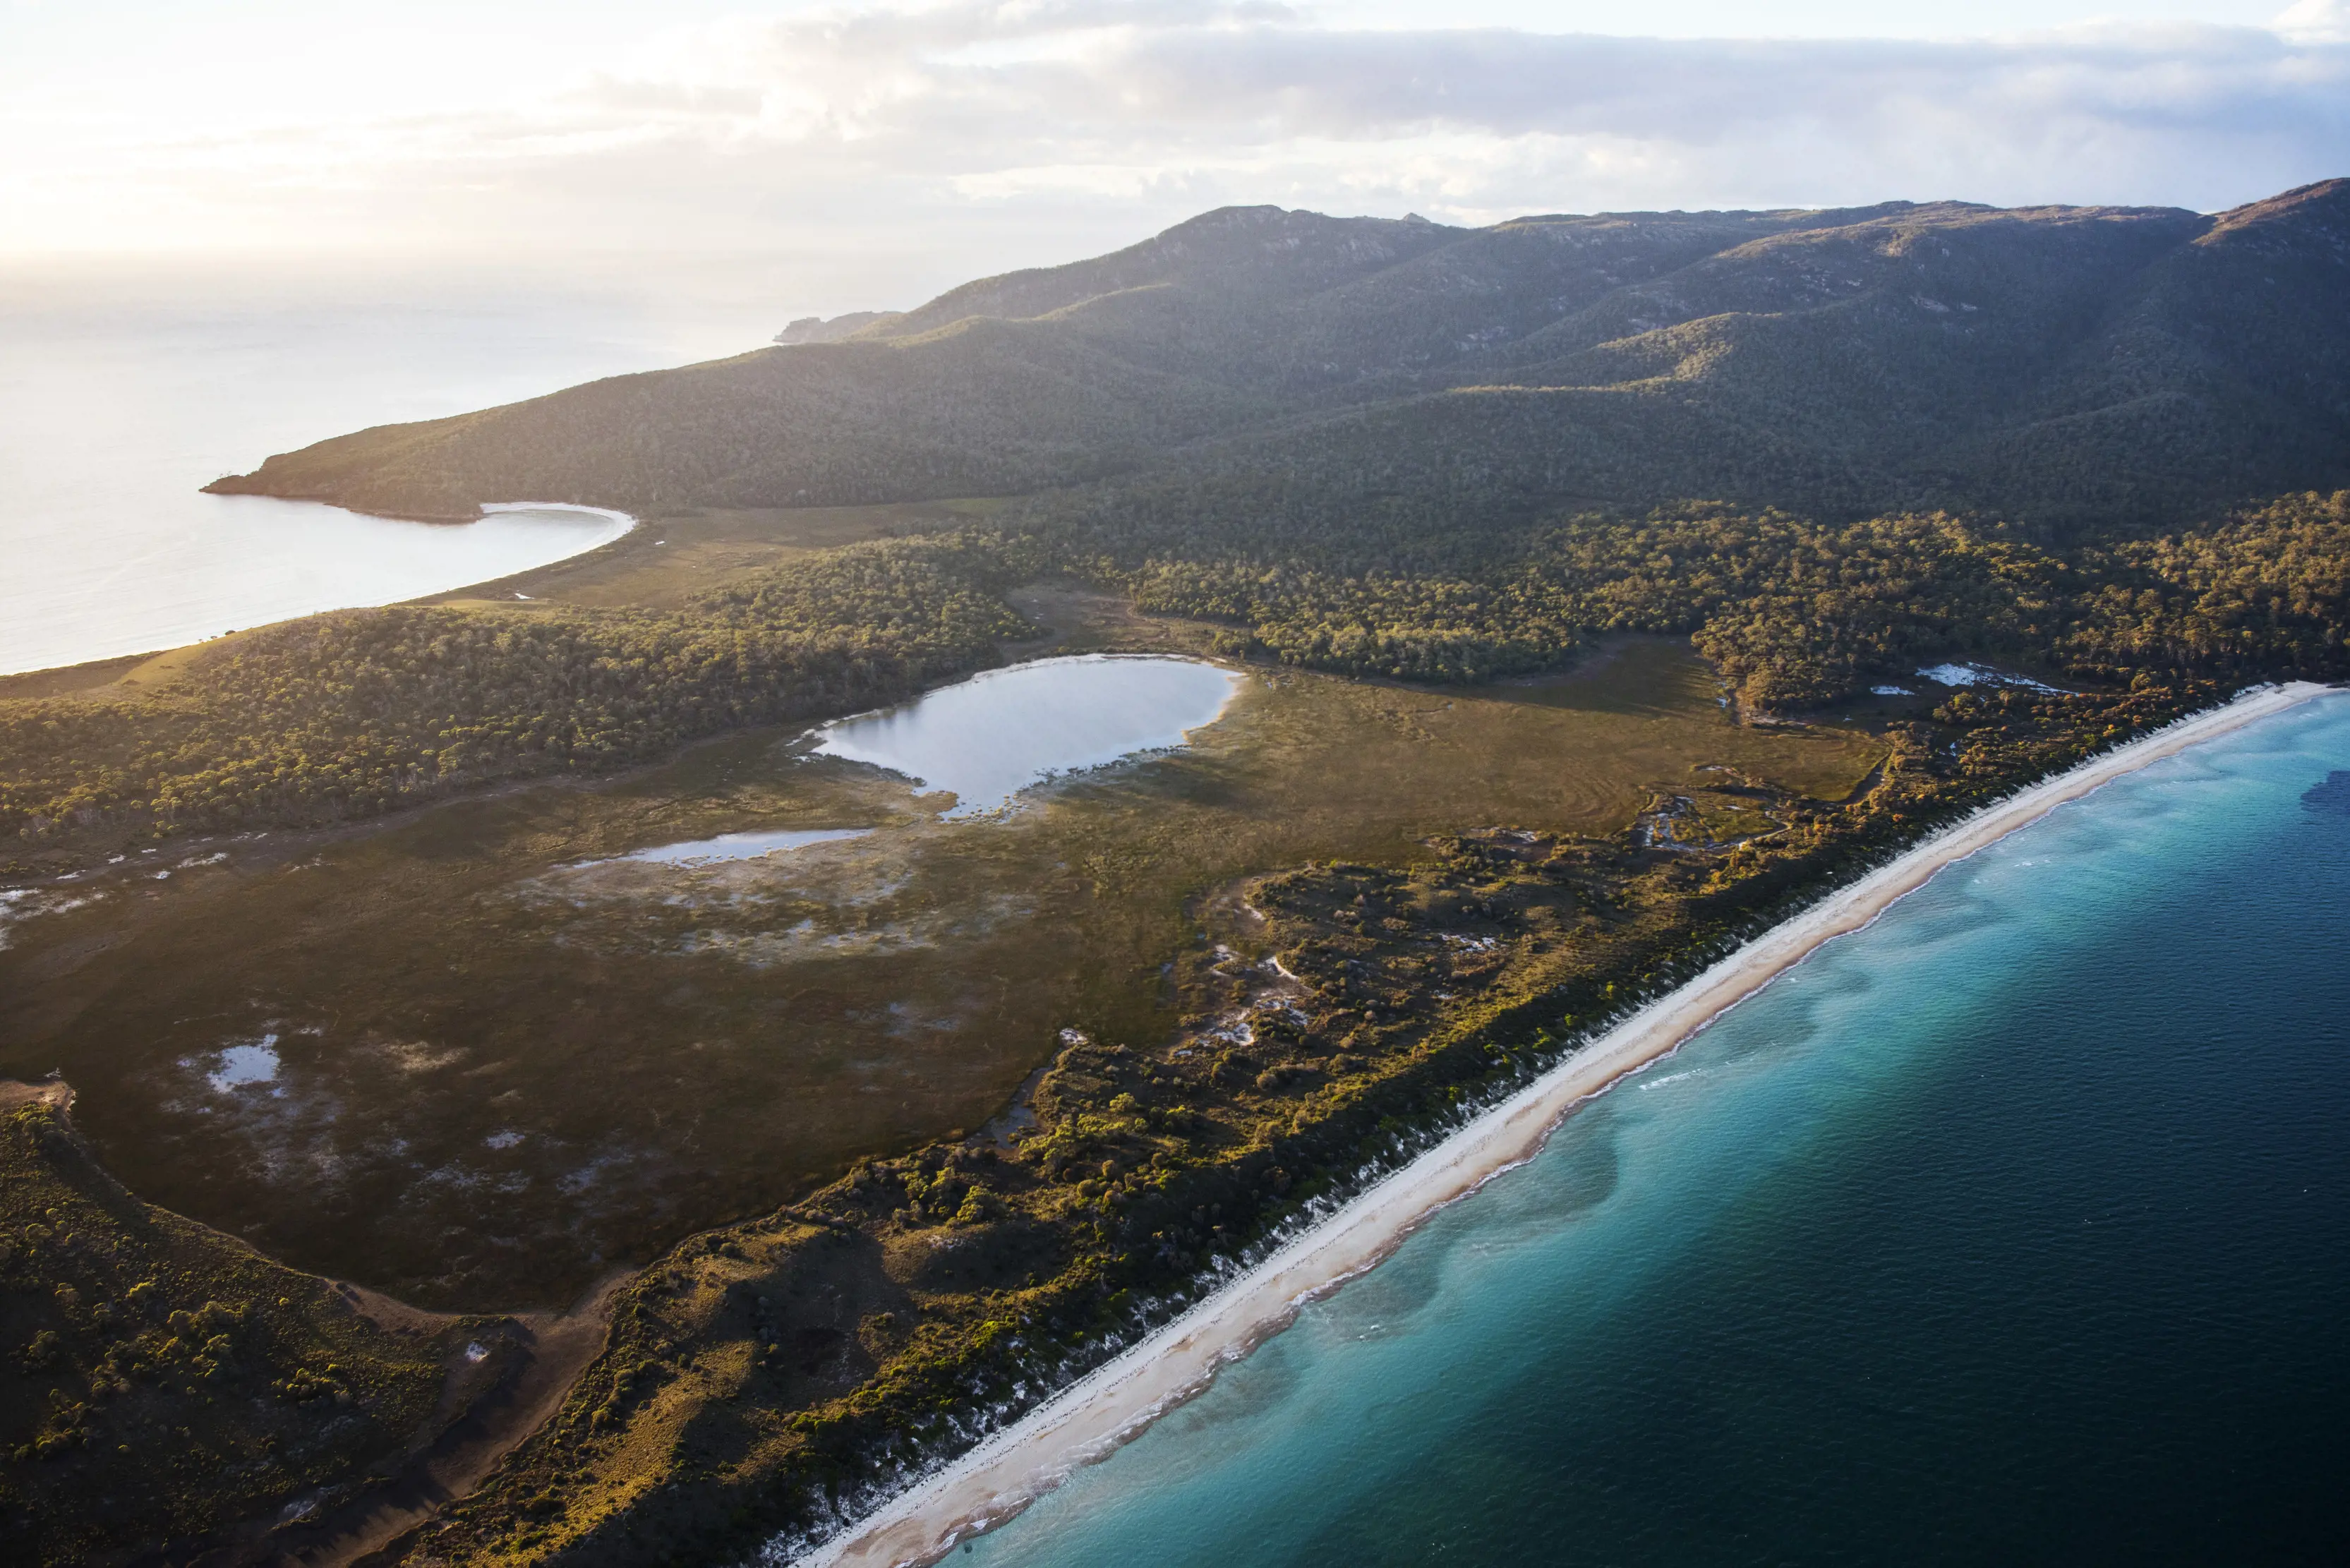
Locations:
(1093, 1417)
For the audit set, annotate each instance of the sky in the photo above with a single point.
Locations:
(874, 153)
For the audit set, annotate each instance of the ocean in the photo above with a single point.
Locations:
(2015, 1227)
(123, 392)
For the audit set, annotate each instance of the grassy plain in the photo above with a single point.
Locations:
(500, 1073)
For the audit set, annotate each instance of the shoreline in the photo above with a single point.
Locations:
(629, 521)
(1116, 1402)
(104, 669)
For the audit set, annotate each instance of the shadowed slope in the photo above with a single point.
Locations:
(2067, 366)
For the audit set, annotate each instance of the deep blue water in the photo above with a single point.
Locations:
(2015, 1229)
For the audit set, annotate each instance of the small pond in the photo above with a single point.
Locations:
(988, 737)
(253, 1061)
(742, 846)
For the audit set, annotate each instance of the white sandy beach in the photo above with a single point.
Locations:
(1094, 1415)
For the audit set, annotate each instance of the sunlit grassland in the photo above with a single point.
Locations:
(499, 1077)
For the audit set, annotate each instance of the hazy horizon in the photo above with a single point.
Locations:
(773, 161)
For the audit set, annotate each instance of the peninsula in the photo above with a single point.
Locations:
(1600, 638)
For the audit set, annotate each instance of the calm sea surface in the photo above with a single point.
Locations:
(119, 396)
(2015, 1229)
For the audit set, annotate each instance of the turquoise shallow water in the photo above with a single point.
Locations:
(2015, 1227)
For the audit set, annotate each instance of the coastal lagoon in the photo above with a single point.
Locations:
(986, 739)
(2016, 1227)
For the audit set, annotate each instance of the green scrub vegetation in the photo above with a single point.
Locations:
(164, 1382)
(505, 1059)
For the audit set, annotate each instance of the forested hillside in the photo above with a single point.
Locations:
(2063, 367)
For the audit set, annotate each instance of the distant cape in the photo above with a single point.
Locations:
(818, 329)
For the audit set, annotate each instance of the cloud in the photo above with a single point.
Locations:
(982, 134)
(2317, 21)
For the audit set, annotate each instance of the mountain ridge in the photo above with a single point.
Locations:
(2069, 367)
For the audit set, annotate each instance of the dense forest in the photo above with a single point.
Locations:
(1794, 612)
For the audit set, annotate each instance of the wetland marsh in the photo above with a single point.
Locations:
(512, 1049)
